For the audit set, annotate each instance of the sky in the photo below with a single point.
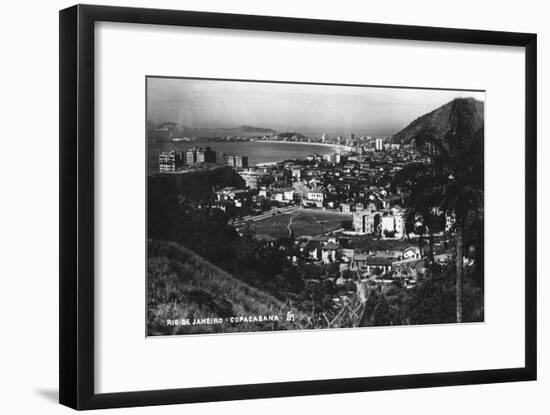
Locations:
(330, 109)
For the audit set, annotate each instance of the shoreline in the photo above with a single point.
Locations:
(338, 146)
(341, 147)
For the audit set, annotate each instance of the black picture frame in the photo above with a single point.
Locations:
(76, 279)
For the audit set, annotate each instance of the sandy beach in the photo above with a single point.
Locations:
(339, 147)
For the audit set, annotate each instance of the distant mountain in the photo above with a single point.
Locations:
(170, 125)
(438, 123)
(282, 136)
(250, 129)
(170, 130)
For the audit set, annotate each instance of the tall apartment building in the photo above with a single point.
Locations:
(241, 162)
(238, 161)
(206, 155)
(191, 157)
(379, 144)
(383, 222)
(170, 161)
(200, 156)
(229, 159)
(328, 158)
(252, 178)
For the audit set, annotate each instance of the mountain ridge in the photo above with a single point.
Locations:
(438, 122)
(170, 129)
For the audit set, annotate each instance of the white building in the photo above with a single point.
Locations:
(315, 198)
(296, 173)
(278, 196)
(251, 178)
(288, 194)
(328, 252)
(412, 252)
(388, 225)
(449, 222)
(170, 161)
(284, 195)
(386, 222)
(345, 207)
(230, 193)
(316, 195)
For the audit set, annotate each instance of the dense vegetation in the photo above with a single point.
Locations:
(433, 301)
(452, 183)
(182, 285)
(179, 210)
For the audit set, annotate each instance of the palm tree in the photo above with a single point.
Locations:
(453, 181)
(463, 200)
(460, 160)
(419, 179)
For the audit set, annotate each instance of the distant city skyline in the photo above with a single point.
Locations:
(304, 108)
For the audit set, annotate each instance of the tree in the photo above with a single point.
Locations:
(460, 187)
(377, 310)
(388, 233)
(432, 301)
(409, 222)
(418, 179)
(381, 315)
(452, 182)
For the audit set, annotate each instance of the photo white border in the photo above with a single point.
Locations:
(126, 361)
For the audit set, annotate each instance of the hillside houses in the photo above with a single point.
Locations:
(378, 262)
(406, 263)
(329, 252)
(231, 197)
(358, 186)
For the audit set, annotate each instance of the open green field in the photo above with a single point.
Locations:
(374, 244)
(302, 222)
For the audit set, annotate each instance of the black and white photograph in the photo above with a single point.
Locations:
(275, 207)
(297, 206)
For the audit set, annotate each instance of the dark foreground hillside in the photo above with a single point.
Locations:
(180, 284)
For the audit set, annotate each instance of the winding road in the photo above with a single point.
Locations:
(290, 224)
